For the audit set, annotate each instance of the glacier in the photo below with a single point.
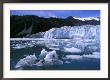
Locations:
(74, 32)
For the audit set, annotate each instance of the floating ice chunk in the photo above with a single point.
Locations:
(18, 46)
(27, 61)
(94, 55)
(43, 54)
(51, 55)
(93, 47)
(73, 57)
(50, 59)
(67, 62)
(72, 50)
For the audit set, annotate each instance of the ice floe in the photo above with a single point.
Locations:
(51, 55)
(72, 50)
(93, 55)
(73, 57)
(27, 61)
(67, 62)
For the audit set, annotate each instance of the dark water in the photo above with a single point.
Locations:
(75, 64)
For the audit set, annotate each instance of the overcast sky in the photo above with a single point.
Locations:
(58, 13)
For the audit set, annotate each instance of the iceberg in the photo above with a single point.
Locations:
(50, 59)
(43, 54)
(27, 61)
(51, 55)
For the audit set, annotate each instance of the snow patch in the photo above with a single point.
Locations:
(88, 18)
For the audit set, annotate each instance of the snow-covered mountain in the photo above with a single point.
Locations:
(88, 18)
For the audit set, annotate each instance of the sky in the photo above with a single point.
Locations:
(58, 13)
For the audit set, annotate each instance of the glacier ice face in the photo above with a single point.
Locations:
(74, 32)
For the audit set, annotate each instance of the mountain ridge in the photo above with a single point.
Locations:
(31, 24)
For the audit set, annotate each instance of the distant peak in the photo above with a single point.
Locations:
(88, 18)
